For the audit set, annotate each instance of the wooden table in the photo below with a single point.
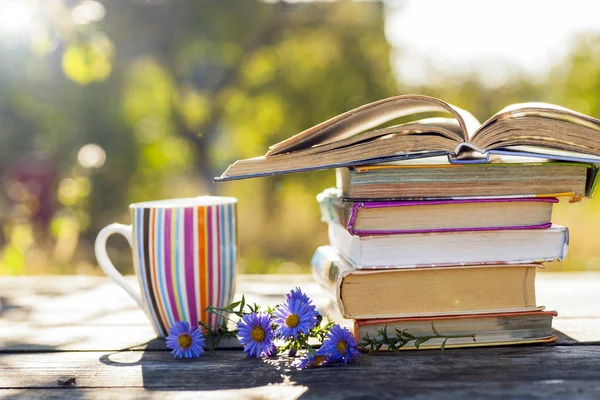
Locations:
(74, 337)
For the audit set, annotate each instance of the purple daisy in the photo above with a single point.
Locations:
(294, 317)
(340, 345)
(185, 340)
(318, 359)
(256, 335)
(297, 294)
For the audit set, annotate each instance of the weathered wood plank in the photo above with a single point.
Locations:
(93, 313)
(42, 315)
(274, 392)
(524, 367)
(523, 390)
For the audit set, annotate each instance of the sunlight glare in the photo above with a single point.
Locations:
(16, 16)
(88, 11)
(491, 39)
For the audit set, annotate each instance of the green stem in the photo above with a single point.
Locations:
(402, 339)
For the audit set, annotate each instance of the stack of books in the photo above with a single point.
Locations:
(442, 222)
(466, 265)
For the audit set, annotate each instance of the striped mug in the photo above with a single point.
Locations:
(184, 255)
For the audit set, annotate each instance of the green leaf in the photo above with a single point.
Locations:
(443, 346)
(232, 306)
(433, 329)
(202, 324)
(421, 340)
(405, 335)
(384, 333)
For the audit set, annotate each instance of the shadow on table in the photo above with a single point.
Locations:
(221, 370)
(460, 371)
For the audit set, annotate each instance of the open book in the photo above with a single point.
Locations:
(353, 138)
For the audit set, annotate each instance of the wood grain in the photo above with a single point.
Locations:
(93, 313)
(54, 329)
(522, 390)
(516, 369)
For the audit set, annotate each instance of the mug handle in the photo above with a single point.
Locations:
(105, 263)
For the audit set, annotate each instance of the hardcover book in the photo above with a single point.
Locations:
(526, 179)
(368, 294)
(489, 329)
(388, 217)
(361, 137)
(409, 250)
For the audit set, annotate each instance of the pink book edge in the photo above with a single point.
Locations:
(384, 204)
(362, 232)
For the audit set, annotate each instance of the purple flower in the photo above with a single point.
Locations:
(294, 317)
(256, 335)
(318, 359)
(340, 345)
(272, 351)
(297, 294)
(185, 340)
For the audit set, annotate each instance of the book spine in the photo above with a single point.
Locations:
(352, 219)
(328, 271)
(334, 211)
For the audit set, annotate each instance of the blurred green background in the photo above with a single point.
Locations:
(107, 103)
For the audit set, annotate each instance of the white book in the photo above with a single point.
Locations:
(514, 246)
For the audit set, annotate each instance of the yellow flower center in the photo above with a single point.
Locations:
(257, 334)
(342, 347)
(292, 321)
(184, 341)
(318, 361)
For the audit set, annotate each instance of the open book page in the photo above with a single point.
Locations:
(382, 149)
(445, 127)
(428, 137)
(531, 154)
(546, 110)
(372, 115)
(349, 139)
(540, 125)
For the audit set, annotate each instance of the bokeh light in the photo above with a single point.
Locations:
(88, 11)
(16, 16)
(91, 156)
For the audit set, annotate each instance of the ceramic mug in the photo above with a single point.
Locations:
(184, 255)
